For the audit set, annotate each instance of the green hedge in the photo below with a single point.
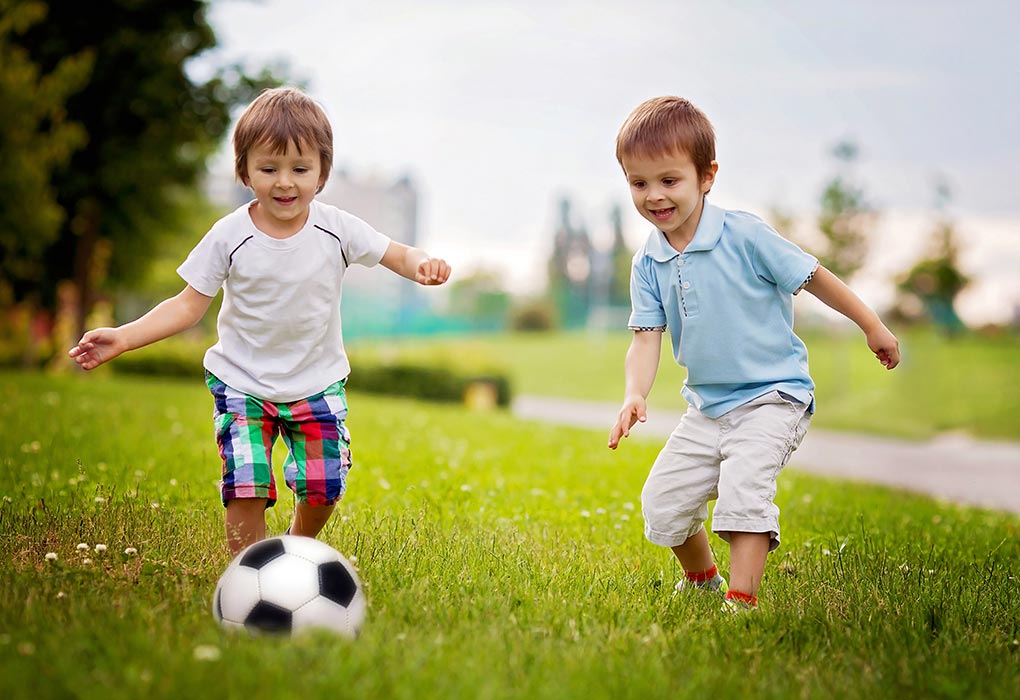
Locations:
(428, 379)
(426, 382)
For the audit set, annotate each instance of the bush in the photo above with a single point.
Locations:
(425, 382)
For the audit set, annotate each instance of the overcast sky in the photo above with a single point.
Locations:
(497, 109)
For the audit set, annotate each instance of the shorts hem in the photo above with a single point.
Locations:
(664, 539)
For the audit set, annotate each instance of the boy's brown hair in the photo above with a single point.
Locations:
(278, 117)
(666, 126)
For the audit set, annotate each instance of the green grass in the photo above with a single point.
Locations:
(969, 384)
(502, 559)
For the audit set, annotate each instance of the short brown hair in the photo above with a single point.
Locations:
(666, 126)
(279, 117)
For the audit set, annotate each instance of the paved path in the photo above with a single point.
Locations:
(952, 467)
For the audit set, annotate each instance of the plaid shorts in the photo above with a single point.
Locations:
(318, 444)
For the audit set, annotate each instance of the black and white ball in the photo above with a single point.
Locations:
(288, 584)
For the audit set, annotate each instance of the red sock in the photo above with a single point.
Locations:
(701, 576)
(746, 598)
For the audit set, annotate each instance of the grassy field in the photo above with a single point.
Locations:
(502, 559)
(969, 384)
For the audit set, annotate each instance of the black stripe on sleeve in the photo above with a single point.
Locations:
(230, 258)
(342, 254)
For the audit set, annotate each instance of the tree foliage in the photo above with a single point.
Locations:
(36, 137)
(149, 130)
(845, 219)
(936, 280)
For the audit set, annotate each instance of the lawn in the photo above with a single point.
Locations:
(969, 384)
(502, 559)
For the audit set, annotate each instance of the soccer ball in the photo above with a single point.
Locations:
(288, 584)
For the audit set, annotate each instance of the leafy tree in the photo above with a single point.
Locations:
(936, 280)
(845, 219)
(36, 137)
(480, 297)
(151, 128)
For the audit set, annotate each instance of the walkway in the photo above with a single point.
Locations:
(953, 467)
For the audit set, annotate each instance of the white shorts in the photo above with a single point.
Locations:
(734, 458)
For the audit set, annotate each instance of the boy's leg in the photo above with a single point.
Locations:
(309, 520)
(319, 457)
(695, 554)
(748, 552)
(245, 522)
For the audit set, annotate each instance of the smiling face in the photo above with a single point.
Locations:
(668, 191)
(284, 185)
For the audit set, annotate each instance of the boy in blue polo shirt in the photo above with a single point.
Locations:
(722, 282)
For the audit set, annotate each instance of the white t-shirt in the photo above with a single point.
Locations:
(279, 326)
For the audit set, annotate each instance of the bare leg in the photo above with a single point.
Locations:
(748, 551)
(695, 554)
(245, 522)
(309, 520)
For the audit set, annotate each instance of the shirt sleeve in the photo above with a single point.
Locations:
(782, 262)
(645, 303)
(362, 244)
(207, 264)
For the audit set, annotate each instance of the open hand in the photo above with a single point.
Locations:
(633, 411)
(96, 347)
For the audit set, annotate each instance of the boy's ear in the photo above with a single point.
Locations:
(708, 178)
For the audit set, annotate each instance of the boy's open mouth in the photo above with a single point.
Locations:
(663, 214)
(285, 200)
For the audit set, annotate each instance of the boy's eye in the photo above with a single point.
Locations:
(670, 181)
(637, 184)
(301, 171)
(267, 170)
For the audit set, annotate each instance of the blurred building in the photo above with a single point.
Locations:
(375, 301)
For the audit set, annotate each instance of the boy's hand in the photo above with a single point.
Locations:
(97, 346)
(633, 411)
(885, 346)
(432, 271)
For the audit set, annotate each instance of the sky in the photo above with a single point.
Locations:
(498, 109)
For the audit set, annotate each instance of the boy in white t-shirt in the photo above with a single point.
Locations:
(279, 366)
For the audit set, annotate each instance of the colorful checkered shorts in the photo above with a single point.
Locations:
(318, 444)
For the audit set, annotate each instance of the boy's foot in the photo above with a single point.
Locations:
(716, 584)
(736, 603)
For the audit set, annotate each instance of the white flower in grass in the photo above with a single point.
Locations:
(60, 595)
(86, 561)
(100, 548)
(585, 514)
(206, 652)
(51, 556)
(353, 559)
(99, 499)
(155, 505)
(130, 551)
(82, 547)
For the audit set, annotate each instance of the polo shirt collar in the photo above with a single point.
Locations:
(708, 234)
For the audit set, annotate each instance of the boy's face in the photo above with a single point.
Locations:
(667, 191)
(284, 185)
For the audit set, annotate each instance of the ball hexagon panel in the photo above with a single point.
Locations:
(288, 581)
(337, 583)
(323, 613)
(261, 553)
(309, 548)
(266, 617)
(236, 594)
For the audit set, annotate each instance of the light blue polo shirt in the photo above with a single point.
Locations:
(728, 303)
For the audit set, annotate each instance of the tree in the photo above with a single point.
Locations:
(150, 130)
(845, 218)
(36, 137)
(936, 280)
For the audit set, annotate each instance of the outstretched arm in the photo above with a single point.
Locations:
(169, 317)
(640, 367)
(415, 264)
(836, 295)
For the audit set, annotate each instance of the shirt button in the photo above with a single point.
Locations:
(679, 261)
(687, 285)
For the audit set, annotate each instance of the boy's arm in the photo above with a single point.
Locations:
(836, 295)
(415, 264)
(640, 367)
(169, 317)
